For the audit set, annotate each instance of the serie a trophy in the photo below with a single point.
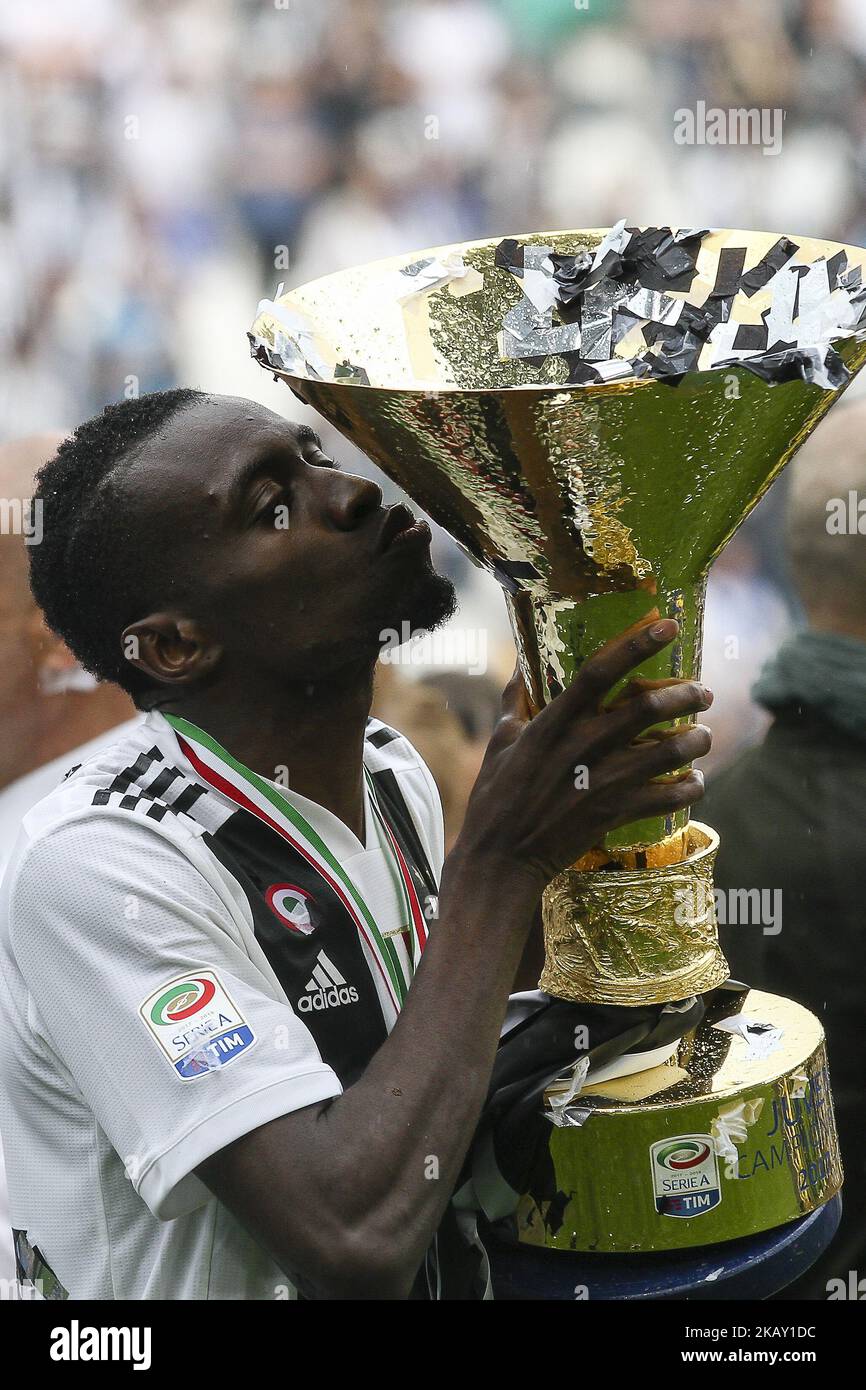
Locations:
(591, 414)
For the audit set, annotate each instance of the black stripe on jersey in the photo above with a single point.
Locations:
(163, 781)
(400, 820)
(380, 737)
(188, 797)
(125, 785)
(156, 810)
(347, 1034)
(124, 780)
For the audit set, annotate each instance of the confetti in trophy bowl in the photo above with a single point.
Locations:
(591, 414)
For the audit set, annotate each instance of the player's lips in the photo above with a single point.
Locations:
(401, 527)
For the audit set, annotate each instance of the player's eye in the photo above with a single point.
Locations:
(266, 506)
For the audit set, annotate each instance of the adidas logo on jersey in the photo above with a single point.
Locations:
(326, 989)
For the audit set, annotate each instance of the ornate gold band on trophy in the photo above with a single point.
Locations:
(599, 496)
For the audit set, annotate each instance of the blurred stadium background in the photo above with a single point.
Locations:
(166, 163)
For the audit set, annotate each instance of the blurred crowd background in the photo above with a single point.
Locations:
(166, 163)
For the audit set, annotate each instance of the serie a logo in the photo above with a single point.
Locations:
(685, 1175)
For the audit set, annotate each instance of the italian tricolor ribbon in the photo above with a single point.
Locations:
(261, 798)
(413, 911)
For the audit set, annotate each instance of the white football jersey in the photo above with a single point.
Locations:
(174, 973)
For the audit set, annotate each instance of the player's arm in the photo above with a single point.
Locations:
(347, 1194)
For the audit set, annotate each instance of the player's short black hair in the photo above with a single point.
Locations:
(97, 564)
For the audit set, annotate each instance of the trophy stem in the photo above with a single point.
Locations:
(555, 635)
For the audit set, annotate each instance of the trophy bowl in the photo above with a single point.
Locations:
(596, 465)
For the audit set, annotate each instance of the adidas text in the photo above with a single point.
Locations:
(328, 998)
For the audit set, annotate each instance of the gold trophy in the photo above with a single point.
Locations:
(591, 414)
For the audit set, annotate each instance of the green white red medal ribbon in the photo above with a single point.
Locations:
(219, 770)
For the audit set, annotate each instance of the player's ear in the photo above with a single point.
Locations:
(170, 649)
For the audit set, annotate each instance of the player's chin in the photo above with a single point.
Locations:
(431, 601)
(425, 601)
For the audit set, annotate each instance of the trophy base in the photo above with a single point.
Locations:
(733, 1136)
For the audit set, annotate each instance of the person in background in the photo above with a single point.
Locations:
(474, 699)
(746, 618)
(52, 713)
(790, 812)
(48, 704)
